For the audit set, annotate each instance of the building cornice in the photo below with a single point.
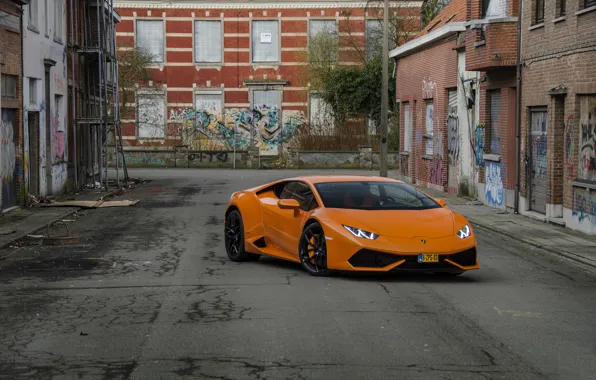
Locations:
(263, 5)
(427, 39)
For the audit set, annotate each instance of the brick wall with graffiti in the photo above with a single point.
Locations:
(265, 128)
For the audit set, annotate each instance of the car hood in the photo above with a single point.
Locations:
(431, 223)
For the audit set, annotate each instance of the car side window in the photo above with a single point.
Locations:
(302, 193)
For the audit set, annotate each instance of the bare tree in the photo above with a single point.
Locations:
(133, 70)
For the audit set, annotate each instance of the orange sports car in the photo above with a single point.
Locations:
(353, 223)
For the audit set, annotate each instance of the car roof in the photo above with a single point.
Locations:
(313, 179)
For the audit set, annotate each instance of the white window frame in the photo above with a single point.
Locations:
(310, 36)
(33, 91)
(33, 15)
(195, 52)
(136, 36)
(58, 21)
(407, 127)
(326, 132)
(151, 92)
(429, 128)
(252, 48)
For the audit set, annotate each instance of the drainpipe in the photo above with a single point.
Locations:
(26, 200)
(73, 96)
(518, 106)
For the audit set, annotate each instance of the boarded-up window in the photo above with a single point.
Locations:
(266, 99)
(209, 101)
(587, 130)
(495, 110)
(430, 116)
(265, 41)
(150, 38)
(320, 116)
(151, 109)
(208, 41)
(407, 128)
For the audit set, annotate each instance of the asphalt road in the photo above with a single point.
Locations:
(148, 293)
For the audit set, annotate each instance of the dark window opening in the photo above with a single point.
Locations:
(539, 12)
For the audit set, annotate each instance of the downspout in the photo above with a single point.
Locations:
(518, 106)
(26, 200)
(73, 96)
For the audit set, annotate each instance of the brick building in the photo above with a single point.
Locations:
(492, 49)
(558, 118)
(435, 113)
(233, 74)
(14, 162)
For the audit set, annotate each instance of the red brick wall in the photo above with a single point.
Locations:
(413, 72)
(558, 54)
(12, 61)
(500, 48)
(180, 73)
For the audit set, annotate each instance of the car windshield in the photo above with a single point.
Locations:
(373, 196)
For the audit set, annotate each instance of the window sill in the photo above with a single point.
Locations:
(58, 40)
(586, 10)
(480, 43)
(428, 157)
(216, 66)
(559, 19)
(537, 26)
(265, 65)
(33, 28)
(584, 184)
(492, 157)
(404, 153)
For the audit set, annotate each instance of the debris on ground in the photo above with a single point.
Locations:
(93, 204)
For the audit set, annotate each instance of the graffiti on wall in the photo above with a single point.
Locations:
(260, 127)
(493, 189)
(436, 171)
(479, 145)
(587, 155)
(58, 137)
(583, 205)
(429, 88)
(454, 142)
(569, 142)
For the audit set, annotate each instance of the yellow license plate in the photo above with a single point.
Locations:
(428, 258)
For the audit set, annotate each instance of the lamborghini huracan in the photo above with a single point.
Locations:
(349, 223)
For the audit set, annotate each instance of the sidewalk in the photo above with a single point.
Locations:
(556, 239)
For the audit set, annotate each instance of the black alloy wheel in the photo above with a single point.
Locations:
(234, 239)
(313, 250)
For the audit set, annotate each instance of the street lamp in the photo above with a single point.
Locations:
(385, 94)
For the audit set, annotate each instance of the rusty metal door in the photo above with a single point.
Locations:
(537, 164)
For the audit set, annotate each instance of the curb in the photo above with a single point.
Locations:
(35, 229)
(556, 252)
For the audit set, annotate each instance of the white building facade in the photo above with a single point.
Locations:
(45, 96)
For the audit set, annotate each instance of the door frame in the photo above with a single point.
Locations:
(530, 155)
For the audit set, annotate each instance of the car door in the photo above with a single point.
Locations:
(271, 213)
(290, 221)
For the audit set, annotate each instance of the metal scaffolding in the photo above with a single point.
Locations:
(95, 95)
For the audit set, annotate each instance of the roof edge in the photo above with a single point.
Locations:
(436, 35)
(236, 4)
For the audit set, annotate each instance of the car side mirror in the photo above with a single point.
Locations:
(441, 202)
(290, 204)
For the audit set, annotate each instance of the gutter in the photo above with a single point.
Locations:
(518, 108)
(427, 39)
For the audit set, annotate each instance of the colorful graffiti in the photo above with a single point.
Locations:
(493, 189)
(587, 164)
(58, 143)
(454, 139)
(479, 145)
(240, 128)
(583, 206)
(569, 142)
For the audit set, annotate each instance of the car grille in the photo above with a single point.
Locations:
(366, 258)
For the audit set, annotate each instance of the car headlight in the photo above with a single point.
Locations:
(361, 233)
(464, 232)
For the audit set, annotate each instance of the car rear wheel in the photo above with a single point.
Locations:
(313, 250)
(234, 238)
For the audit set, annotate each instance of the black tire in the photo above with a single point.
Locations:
(234, 239)
(313, 240)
